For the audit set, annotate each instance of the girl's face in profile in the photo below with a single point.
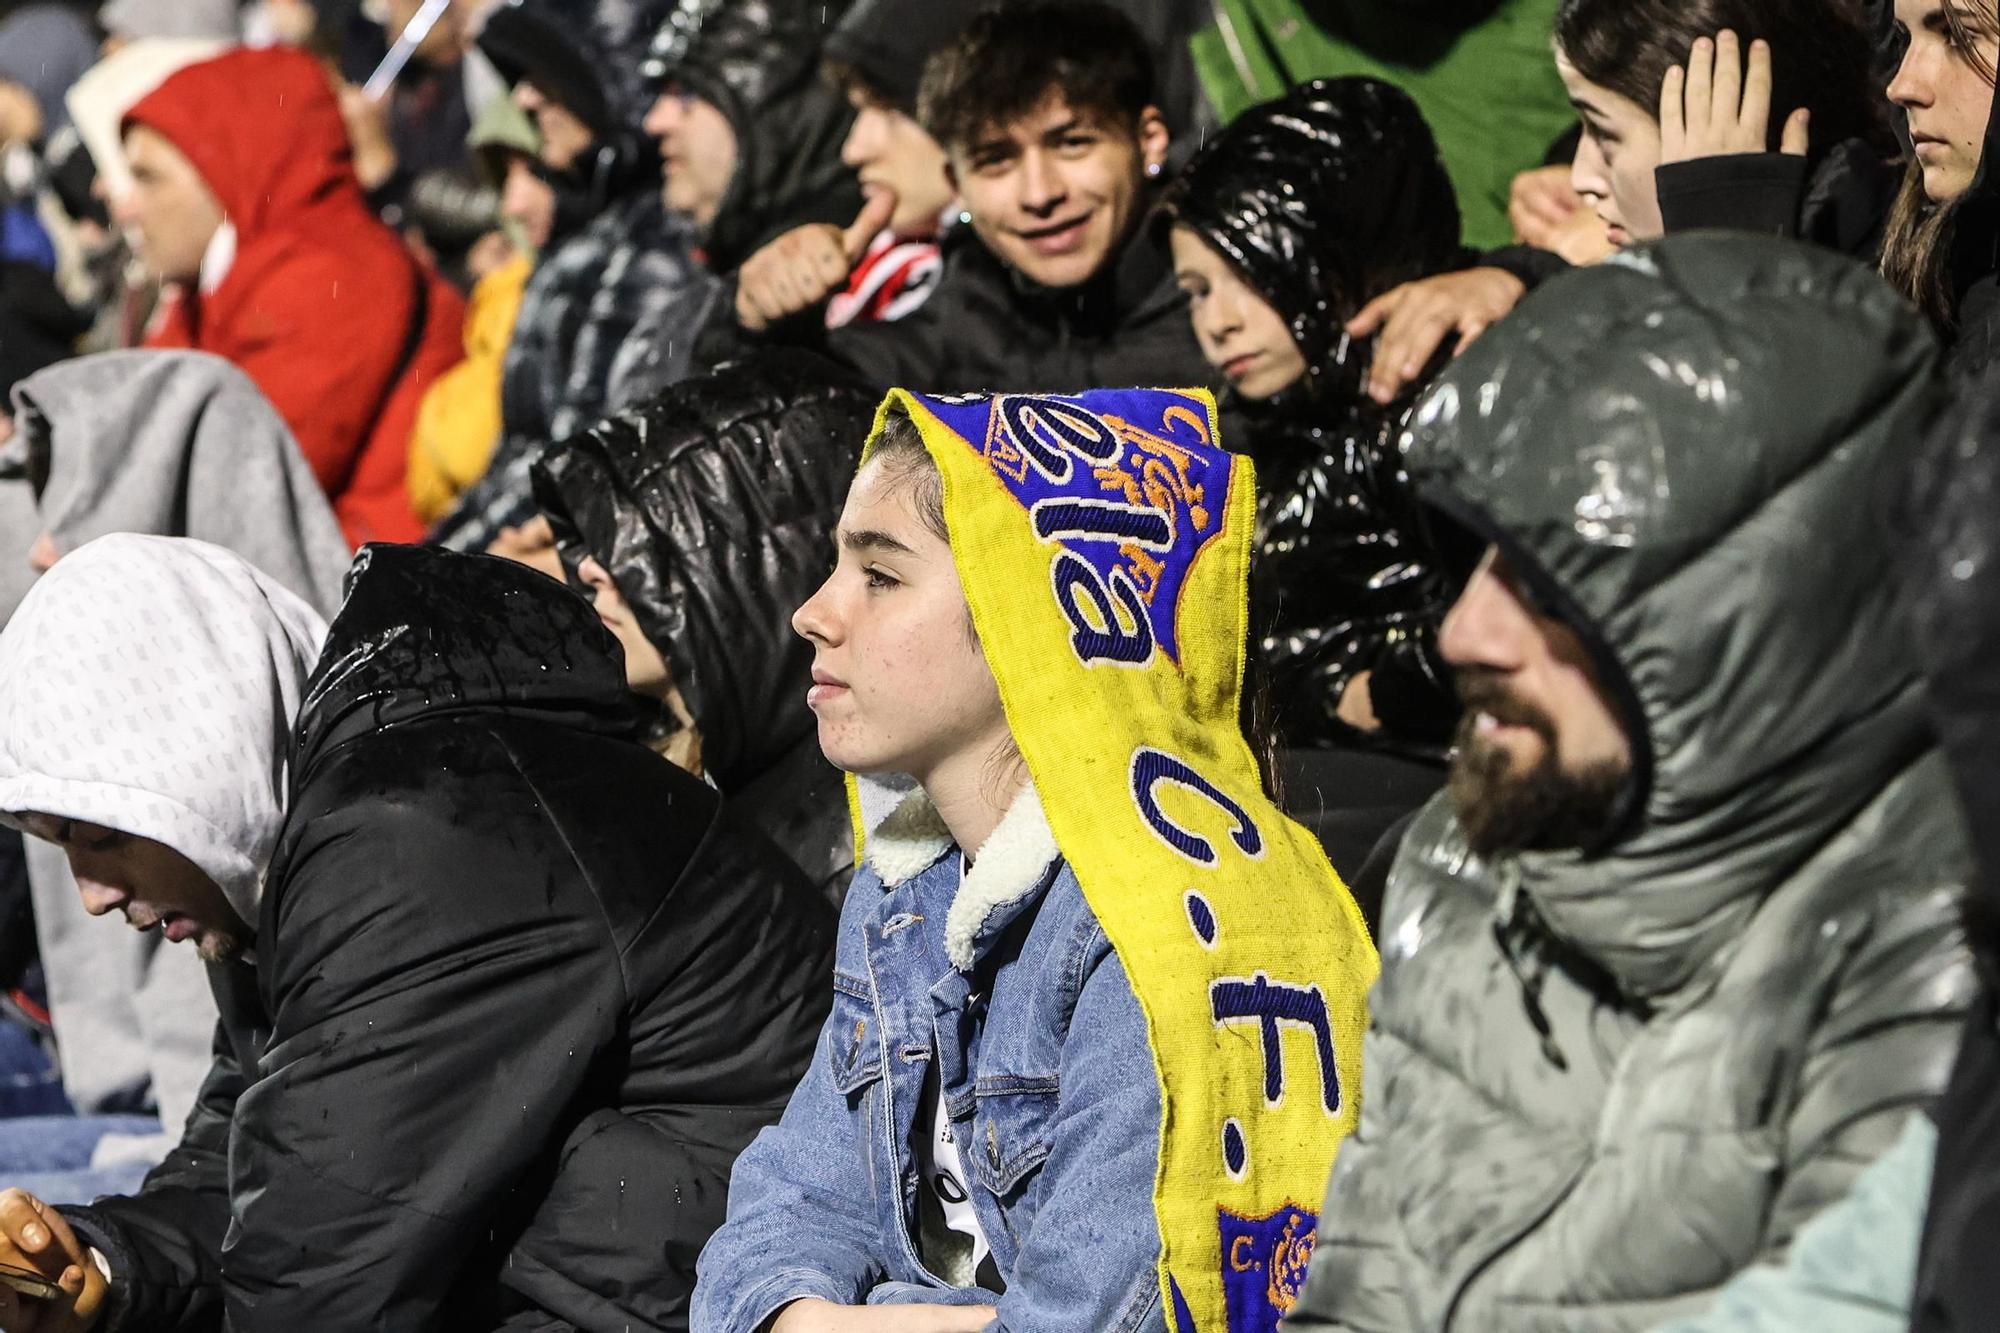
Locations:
(1616, 158)
(1945, 89)
(900, 684)
(1240, 333)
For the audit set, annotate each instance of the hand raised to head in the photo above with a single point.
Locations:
(1720, 103)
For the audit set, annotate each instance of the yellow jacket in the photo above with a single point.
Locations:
(458, 424)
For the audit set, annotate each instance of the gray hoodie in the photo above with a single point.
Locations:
(165, 443)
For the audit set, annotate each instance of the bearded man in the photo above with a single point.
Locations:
(1677, 954)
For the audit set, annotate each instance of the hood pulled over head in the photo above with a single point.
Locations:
(585, 56)
(425, 633)
(263, 129)
(713, 509)
(1323, 200)
(1683, 453)
(149, 685)
(177, 444)
(758, 63)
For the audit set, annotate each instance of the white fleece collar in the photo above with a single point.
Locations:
(1010, 866)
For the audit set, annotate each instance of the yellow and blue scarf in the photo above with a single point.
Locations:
(1104, 544)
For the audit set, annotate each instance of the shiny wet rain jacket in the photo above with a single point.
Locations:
(520, 995)
(1603, 1082)
(1322, 200)
(713, 508)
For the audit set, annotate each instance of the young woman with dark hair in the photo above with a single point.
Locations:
(1749, 115)
(1943, 244)
(1757, 115)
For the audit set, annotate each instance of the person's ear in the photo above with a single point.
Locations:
(1154, 140)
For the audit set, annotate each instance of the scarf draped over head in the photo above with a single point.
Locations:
(1104, 544)
(148, 685)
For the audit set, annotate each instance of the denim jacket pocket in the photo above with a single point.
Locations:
(854, 1049)
(1013, 1123)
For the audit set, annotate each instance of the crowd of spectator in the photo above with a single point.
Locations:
(803, 666)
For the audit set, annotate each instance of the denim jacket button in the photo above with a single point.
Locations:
(992, 1146)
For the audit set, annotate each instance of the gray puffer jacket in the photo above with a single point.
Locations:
(1600, 1083)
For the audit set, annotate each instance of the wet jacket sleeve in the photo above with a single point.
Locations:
(1893, 1029)
(1531, 265)
(1090, 1261)
(1368, 1291)
(723, 340)
(802, 1210)
(1736, 192)
(1410, 687)
(164, 1244)
(1410, 683)
(428, 1010)
(1852, 1268)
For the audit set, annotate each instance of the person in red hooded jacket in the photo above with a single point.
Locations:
(247, 203)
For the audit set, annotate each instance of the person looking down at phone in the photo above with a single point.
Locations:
(466, 936)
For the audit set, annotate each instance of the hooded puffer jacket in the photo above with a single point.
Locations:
(1323, 200)
(713, 509)
(521, 992)
(758, 63)
(323, 306)
(621, 268)
(1602, 1082)
(1952, 517)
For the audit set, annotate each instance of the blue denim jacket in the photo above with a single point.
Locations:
(1010, 985)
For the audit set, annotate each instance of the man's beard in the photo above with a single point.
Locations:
(1546, 808)
(218, 946)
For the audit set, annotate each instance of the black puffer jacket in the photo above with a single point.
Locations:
(1952, 522)
(522, 992)
(608, 293)
(1322, 200)
(713, 509)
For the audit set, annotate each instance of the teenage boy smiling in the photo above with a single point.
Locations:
(1051, 137)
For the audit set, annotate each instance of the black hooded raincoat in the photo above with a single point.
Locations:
(1323, 200)
(521, 993)
(713, 509)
